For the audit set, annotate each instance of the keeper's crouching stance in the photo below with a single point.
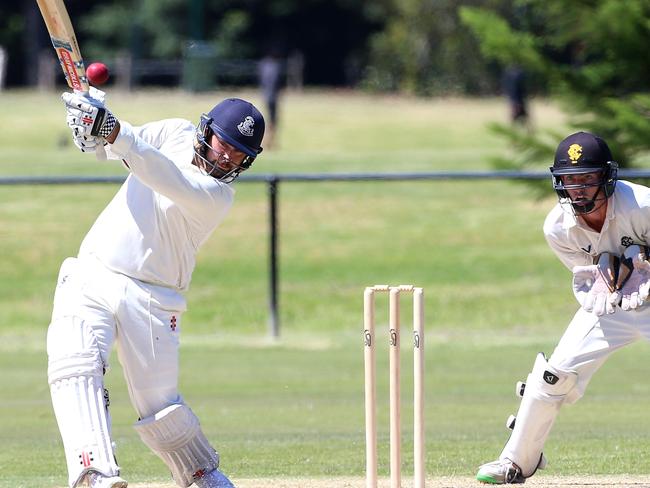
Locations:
(545, 390)
(126, 287)
(600, 235)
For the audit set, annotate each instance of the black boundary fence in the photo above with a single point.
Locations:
(273, 181)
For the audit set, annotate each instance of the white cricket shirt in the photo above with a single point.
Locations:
(165, 210)
(627, 223)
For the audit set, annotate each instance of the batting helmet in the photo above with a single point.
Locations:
(583, 153)
(238, 123)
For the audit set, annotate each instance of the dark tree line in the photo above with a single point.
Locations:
(592, 55)
(418, 46)
(330, 34)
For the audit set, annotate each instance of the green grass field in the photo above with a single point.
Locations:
(495, 295)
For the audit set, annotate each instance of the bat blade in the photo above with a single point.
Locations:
(64, 40)
(65, 44)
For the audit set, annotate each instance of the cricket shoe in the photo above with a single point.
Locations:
(214, 479)
(501, 472)
(98, 480)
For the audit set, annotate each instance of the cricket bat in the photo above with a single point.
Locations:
(67, 50)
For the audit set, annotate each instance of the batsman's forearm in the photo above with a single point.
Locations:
(113, 135)
(158, 172)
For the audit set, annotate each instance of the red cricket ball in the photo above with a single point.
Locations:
(97, 74)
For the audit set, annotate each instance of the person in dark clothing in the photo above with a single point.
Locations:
(270, 71)
(514, 87)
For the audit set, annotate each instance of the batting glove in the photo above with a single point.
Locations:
(86, 143)
(633, 284)
(88, 115)
(593, 285)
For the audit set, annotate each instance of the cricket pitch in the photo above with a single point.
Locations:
(621, 481)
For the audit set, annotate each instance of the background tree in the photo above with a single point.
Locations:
(424, 49)
(590, 55)
(330, 34)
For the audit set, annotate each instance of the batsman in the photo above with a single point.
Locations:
(600, 230)
(126, 286)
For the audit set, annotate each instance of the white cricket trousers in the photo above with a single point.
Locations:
(589, 340)
(142, 320)
(582, 350)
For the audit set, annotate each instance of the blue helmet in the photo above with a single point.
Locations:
(238, 123)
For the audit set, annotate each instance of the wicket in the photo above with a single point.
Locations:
(394, 367)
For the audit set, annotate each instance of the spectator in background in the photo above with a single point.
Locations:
(270, 71)
(3, 67)
(514, 87)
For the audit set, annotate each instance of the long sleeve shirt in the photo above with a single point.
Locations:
(165, 210)
(627, 222)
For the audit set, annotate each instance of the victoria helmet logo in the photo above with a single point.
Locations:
(246, 126)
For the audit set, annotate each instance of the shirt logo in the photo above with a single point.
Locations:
(626, 241)
(246, 126)
(574, 152)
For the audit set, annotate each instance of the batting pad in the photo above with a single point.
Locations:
(546, 390)
(85, 426)
(175, 435)
(75, 375)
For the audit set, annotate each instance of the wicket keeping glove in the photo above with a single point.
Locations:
(593, 284)
(633, 284)
(87, 115)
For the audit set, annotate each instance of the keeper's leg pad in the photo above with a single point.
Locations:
(80, 402)
(546, 389)
(175, 435)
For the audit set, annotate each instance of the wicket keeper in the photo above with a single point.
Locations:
(600, 230)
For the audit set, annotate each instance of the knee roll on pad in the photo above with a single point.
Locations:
(549, 383)
(72, 350)
(175, 435)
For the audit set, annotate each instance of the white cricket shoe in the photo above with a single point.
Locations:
(214, 479)
(501, 472)
(98, 480)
